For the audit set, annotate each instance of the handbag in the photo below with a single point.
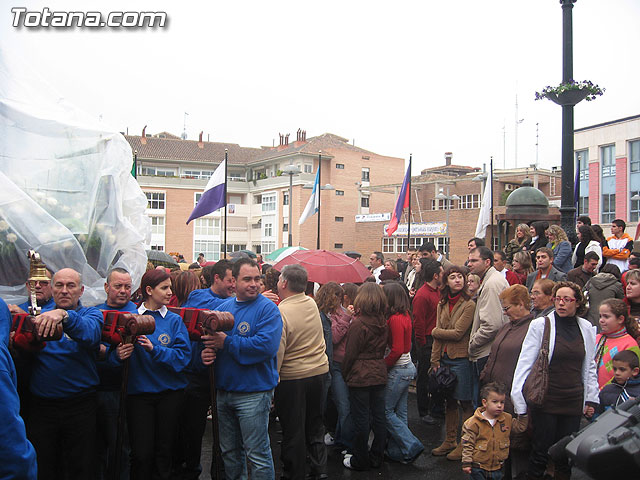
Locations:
(537, 383)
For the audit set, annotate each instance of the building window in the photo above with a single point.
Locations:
(365, 174)
(340, 166)
(442, 244)
(157, 225)
(364, 202)
(155, 200)
(339, 219)
(583, 205)
(365, 157)
(634, 211)
(207, 227)
(285, 198)
(210, 248)
(257, 199)
(470, 201)
(308, 168)
(388, 245)
(157, 171)
(608, 161)
(608, 207)
(337, 245)
(268, 230)
(441, 204)
(634, 156)
(582, 162)
(197, 173)
(267, 247)
(160, 248)
(552, 186)
(285, 227)
(269, 202)
(234, 247)
(340, 193)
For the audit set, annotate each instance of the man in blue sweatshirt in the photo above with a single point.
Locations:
(17, 456)
(197, 393)
(246, 374)
(44, 297)
(118, 289)
(62, 420)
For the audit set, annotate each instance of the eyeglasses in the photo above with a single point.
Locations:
(42, 283)
(506, 308)
(564, 299)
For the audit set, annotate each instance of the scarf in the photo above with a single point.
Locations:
(603, 340)
(453, 300)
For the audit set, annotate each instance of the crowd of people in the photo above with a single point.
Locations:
(468, 336)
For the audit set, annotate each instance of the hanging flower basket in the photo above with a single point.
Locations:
(571, 92)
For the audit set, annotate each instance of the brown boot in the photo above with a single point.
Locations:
(456, 454)
(451, 428)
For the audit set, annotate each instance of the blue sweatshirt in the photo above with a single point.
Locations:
(205, 299)
(109, 374)
(17, 456)
(248, 361)
(67, 367)
(161, 368)
(50, 305)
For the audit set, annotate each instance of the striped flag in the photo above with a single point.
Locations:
(314, 201)
(214, 195)
(401, 204)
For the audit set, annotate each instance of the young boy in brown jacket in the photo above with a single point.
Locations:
(485, 436)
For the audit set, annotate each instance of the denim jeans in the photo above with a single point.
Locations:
(480, 474)
(340, 392)
(476, 369)
(402, 444)
(367, 411)
(107, 428)
(244, 430)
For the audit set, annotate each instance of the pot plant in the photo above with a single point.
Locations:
(571, 92)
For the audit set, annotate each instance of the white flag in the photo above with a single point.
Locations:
(314, 201)
(484, 217)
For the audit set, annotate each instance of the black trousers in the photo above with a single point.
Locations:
(152, 420)
(423, 352)
(299, 407)
(63, 432)
(547, 430)
(367, 410)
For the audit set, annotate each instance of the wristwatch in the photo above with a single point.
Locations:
(65, 317)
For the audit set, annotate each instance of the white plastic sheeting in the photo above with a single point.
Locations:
(66, 189)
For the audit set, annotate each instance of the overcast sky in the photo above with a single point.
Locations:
(421, 77)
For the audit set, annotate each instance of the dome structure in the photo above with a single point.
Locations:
(527, 200)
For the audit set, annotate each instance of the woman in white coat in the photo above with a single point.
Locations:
(586, 243)
(573, 380)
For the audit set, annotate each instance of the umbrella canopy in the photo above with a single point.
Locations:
(161, 259)
(323, 266)
(249, 253)
(282, 252)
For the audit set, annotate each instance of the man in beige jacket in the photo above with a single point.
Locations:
(488, 318)
(303, 368)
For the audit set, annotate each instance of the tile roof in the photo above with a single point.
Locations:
(189, 150)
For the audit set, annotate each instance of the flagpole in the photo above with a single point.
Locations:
(491, 184)
(409, 217)
(319, 190)
(226, 166)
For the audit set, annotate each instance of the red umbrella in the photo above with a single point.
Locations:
(323, 266)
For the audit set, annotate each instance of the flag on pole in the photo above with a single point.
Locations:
(314, 201)
(401, 203)
(484, 217)
(214, 195)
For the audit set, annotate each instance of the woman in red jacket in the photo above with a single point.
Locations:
(402, 445)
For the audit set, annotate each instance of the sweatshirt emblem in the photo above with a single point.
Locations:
(243, 328)
(164, 339)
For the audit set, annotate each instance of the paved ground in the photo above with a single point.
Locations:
(426, 466)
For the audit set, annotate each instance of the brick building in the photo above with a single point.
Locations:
(464, 188)
(608, 156)
(173, 173)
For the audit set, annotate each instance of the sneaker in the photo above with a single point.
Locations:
(328, 439)
(347, 462)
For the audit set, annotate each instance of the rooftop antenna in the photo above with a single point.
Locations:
(518, 122)
(184, 127)
(537, 142)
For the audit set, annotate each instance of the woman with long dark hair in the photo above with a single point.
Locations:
(451, 348)
(572, 378)
(185, 283)
(521, 238)
(365, 373)
(402, 445)
(156, 381)
(586, 243)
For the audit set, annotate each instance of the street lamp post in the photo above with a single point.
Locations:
(291, 170)
(449, 199)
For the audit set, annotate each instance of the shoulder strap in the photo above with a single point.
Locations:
(547, 334)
